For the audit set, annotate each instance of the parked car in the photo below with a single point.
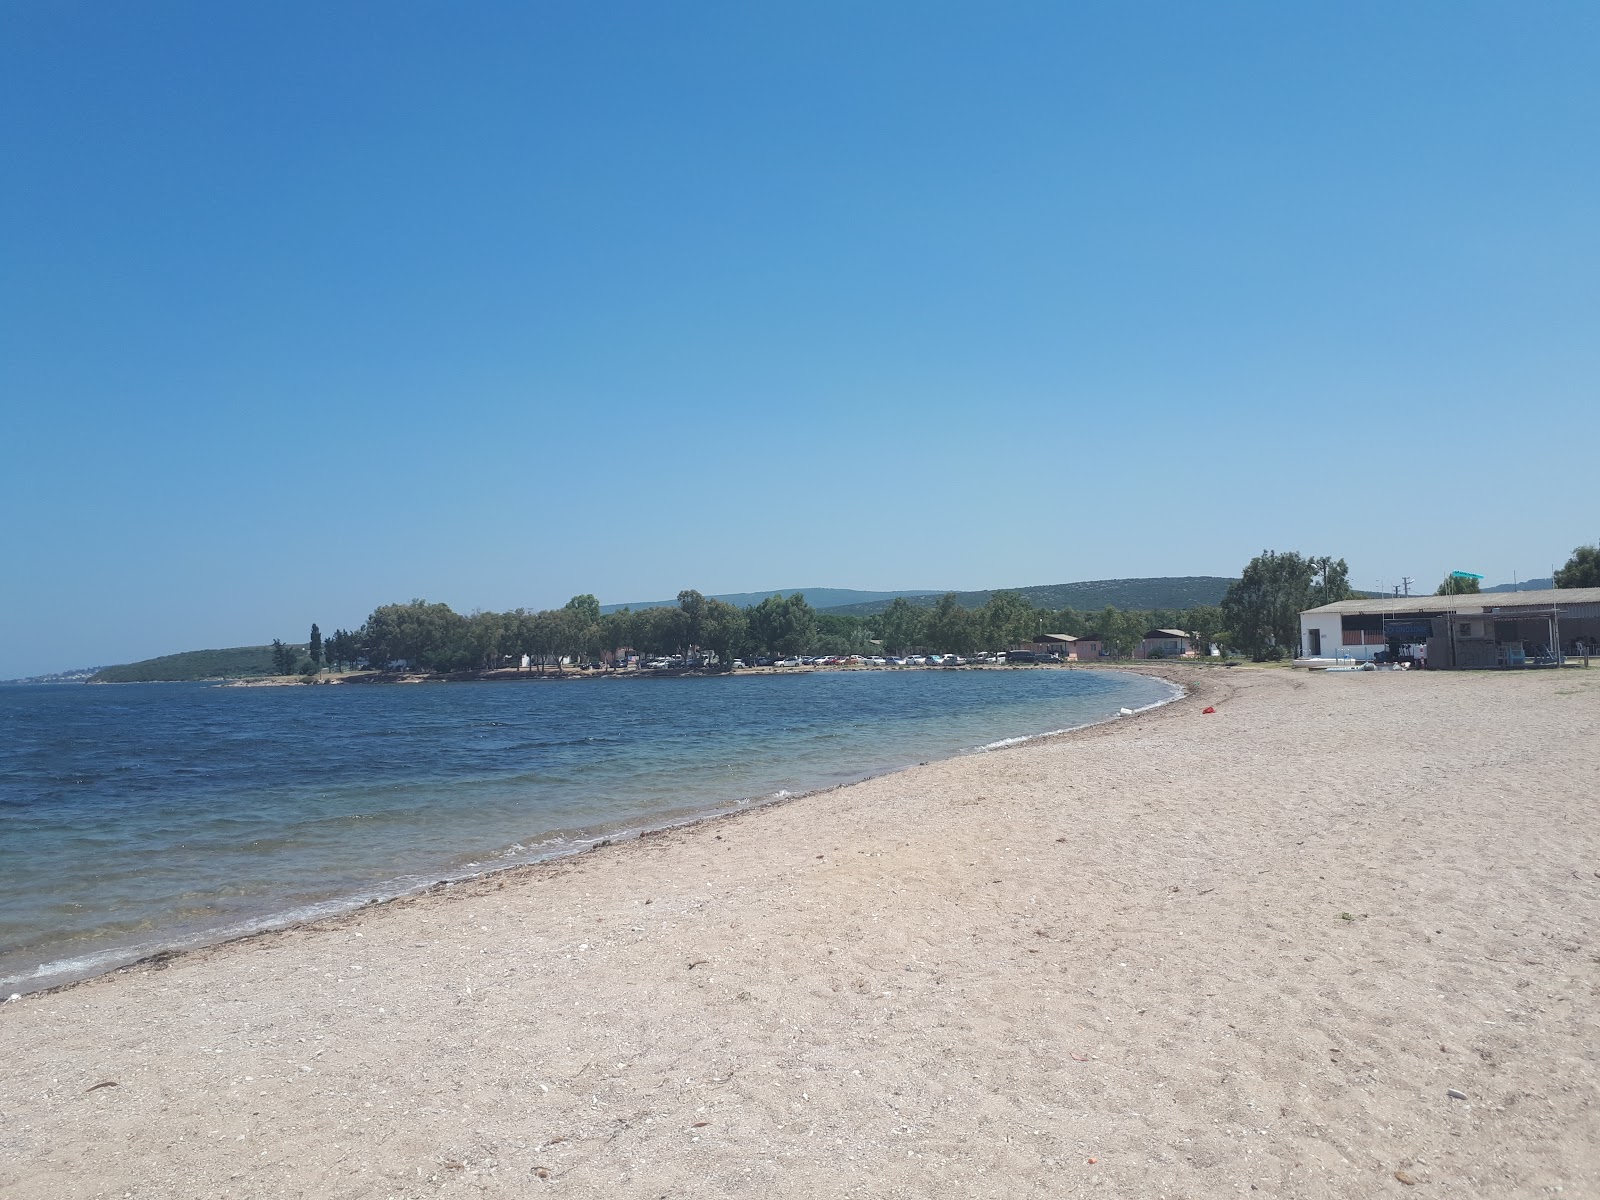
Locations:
(1021, 656)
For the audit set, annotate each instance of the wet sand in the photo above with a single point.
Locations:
(1177, 956)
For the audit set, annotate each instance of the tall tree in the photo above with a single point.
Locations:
(339, 649)
(1262, 607)
(901, 626)
(1008, 619)
(314, 646)
(1330, 582)
(1582, 569)
(693, 605)
(951, 628)
(782, 625)
(423, 634)
(723, 631)
(586, 607)
(283, 657)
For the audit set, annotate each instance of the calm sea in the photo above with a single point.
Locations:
(141, 817)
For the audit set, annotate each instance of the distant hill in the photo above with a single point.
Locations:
(1526, 585)
(1168, 591)
(830, 598)
(235, 663)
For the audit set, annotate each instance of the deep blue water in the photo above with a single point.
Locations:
(142, 816)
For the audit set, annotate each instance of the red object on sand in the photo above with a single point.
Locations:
(1207, 709)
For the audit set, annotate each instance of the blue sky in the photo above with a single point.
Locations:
(309, 308)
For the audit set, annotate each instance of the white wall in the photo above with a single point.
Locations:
(1332, 629)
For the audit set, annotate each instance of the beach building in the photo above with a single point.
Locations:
(1088, 648)
(1479, 630)
(1062, 644)
(1164, 643)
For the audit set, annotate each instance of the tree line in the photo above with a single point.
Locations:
(433, 637)
(1259, 617)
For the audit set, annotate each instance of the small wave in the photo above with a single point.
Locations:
(67, 970)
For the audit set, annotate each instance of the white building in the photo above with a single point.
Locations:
(1485, 629)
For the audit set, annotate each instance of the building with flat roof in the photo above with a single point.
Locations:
(1481, 629)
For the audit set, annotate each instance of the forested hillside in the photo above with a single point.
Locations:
(234, 663)
(1166, 592)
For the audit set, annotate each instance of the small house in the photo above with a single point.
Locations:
(1164, 643)
(1063, 645)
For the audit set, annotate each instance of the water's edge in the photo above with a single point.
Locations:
(66, 973)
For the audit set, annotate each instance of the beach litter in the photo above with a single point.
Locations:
(1208, 710)
(1455, 1093)
(114, 1083)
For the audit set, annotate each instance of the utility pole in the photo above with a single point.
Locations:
(1406, 581)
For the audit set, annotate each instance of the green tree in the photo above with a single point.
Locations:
(314, 646)
(1458, 585)
(1120, 630)
(901, 627)
(586, 607)
(424, 635)
(1006, 620)
(661, 631)
(580, 627)
(1262, 607)
(616, 633)
(723, 631)
(283, 658)
(483, 635)
(1582, 569)
(782, 625)
(339, 649)
(693, 605)
(951, 628)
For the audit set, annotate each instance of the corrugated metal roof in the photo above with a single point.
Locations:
(1171, 633)
(1055, 637)
(1475, 602)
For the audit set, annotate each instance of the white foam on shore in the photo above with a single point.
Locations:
(1178, 693)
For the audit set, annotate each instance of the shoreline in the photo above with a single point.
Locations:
(1335, 939)
(588, 841)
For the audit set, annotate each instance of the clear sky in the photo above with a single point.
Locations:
(307, 308)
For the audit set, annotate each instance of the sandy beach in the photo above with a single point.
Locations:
(1336, 939)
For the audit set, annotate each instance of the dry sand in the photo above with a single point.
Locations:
(1179, 956)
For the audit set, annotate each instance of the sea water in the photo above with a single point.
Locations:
(141, 817)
